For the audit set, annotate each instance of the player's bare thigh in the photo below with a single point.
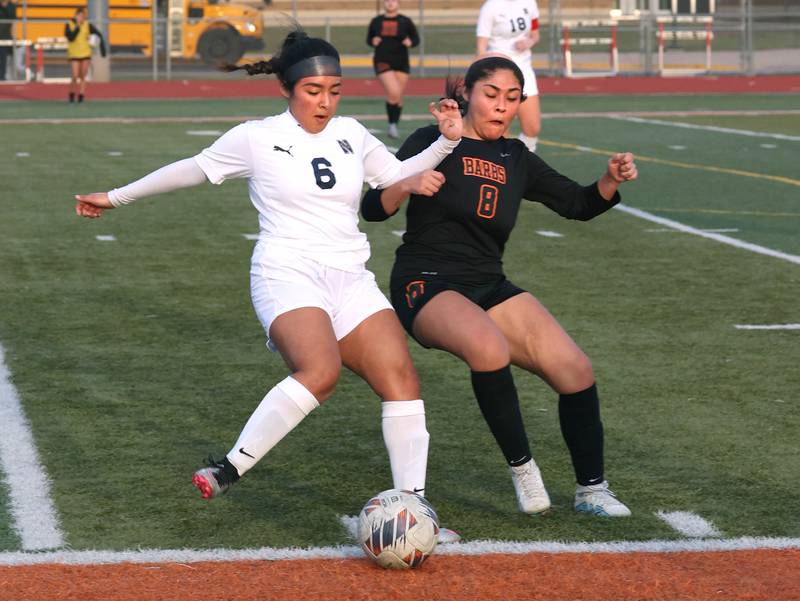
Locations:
(539, 344)
(305, 339)
(530, 116)
(377, 351)
(392, 85)
(453, 323)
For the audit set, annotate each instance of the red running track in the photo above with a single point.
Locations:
(238, 88)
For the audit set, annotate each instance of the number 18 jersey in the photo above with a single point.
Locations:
(505, 22)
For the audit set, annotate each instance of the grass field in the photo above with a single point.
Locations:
(135, 358)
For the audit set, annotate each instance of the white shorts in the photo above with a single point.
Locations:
(347, 297)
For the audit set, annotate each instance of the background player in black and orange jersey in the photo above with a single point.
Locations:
(392, 34)
(450, 292)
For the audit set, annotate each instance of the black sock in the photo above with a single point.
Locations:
(80, 97)
(230, 470)
(497, 398)
(72, 96)
(393, 112)
(579, 414)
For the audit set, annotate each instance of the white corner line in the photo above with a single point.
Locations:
(676, 225)
(775, 326)
(33, 515)
(479, 547)
(350, 525)
(689, 524)
(714, 128)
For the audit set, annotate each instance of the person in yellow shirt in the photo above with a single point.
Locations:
(79, 51)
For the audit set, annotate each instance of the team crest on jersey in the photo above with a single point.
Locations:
(345, 146)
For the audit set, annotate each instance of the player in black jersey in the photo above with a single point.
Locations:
(450, 292)
(392, 34)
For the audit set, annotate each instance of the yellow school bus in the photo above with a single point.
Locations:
(215, 30)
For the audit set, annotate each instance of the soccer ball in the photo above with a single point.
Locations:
(398, 529)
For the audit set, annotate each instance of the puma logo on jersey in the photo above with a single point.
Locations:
(289, 151)
(345, 146)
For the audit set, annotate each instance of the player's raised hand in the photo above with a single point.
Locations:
(426, 183)
(92, 205)
(448, 117)
(621, 167)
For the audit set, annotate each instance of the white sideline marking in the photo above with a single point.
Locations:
(23, 154)
(677, 147)
(723, 130)
(33, 515)
(710, 235)
(251, 236)
(106, 238)
(480, 547)
(114, 153)
(689, 524)
(549, 234)
(718, 230)
(203, 132)
(777, 326)
(350, 525)
(768, 145)
(399, 233)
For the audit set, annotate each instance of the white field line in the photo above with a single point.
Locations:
(22, 155)
(710, 235)
(203, 132)
(776, 326)
(382, 117)
(689, 524)
(33, 515)
(549, 234)
(481, 547)
(106, 238)
(398, 233)
(719, 230)
(251, 236)
(714, 128)
(114, 153)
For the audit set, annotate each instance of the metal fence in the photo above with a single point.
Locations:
(743, 41)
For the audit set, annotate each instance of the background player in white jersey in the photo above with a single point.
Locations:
(511, 27)
(319, 305)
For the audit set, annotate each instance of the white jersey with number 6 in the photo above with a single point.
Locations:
(505, 22)
(306, 187)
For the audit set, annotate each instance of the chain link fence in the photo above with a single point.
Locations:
(736, 39)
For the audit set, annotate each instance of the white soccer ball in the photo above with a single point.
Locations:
(398, 529)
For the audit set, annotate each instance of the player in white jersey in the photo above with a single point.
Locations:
(511, 27)
(317, 302)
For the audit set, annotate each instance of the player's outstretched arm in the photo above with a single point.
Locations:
(181, 174)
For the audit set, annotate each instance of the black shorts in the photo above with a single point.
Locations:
(410, 296)
(391, 62)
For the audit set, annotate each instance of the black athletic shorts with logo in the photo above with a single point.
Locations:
(409, 296)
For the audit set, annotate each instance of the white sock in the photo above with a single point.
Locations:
(285, 406)
(403, 425)
(530, 141)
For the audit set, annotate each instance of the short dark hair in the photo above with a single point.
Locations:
(480, 70)
(297, 46)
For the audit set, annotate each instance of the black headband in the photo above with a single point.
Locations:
(314, 65)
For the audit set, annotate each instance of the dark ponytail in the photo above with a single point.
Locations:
(296, 47)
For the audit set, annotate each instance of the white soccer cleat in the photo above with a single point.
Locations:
(531, 493)
(597, 499)
(448, 536)
(393, 133)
